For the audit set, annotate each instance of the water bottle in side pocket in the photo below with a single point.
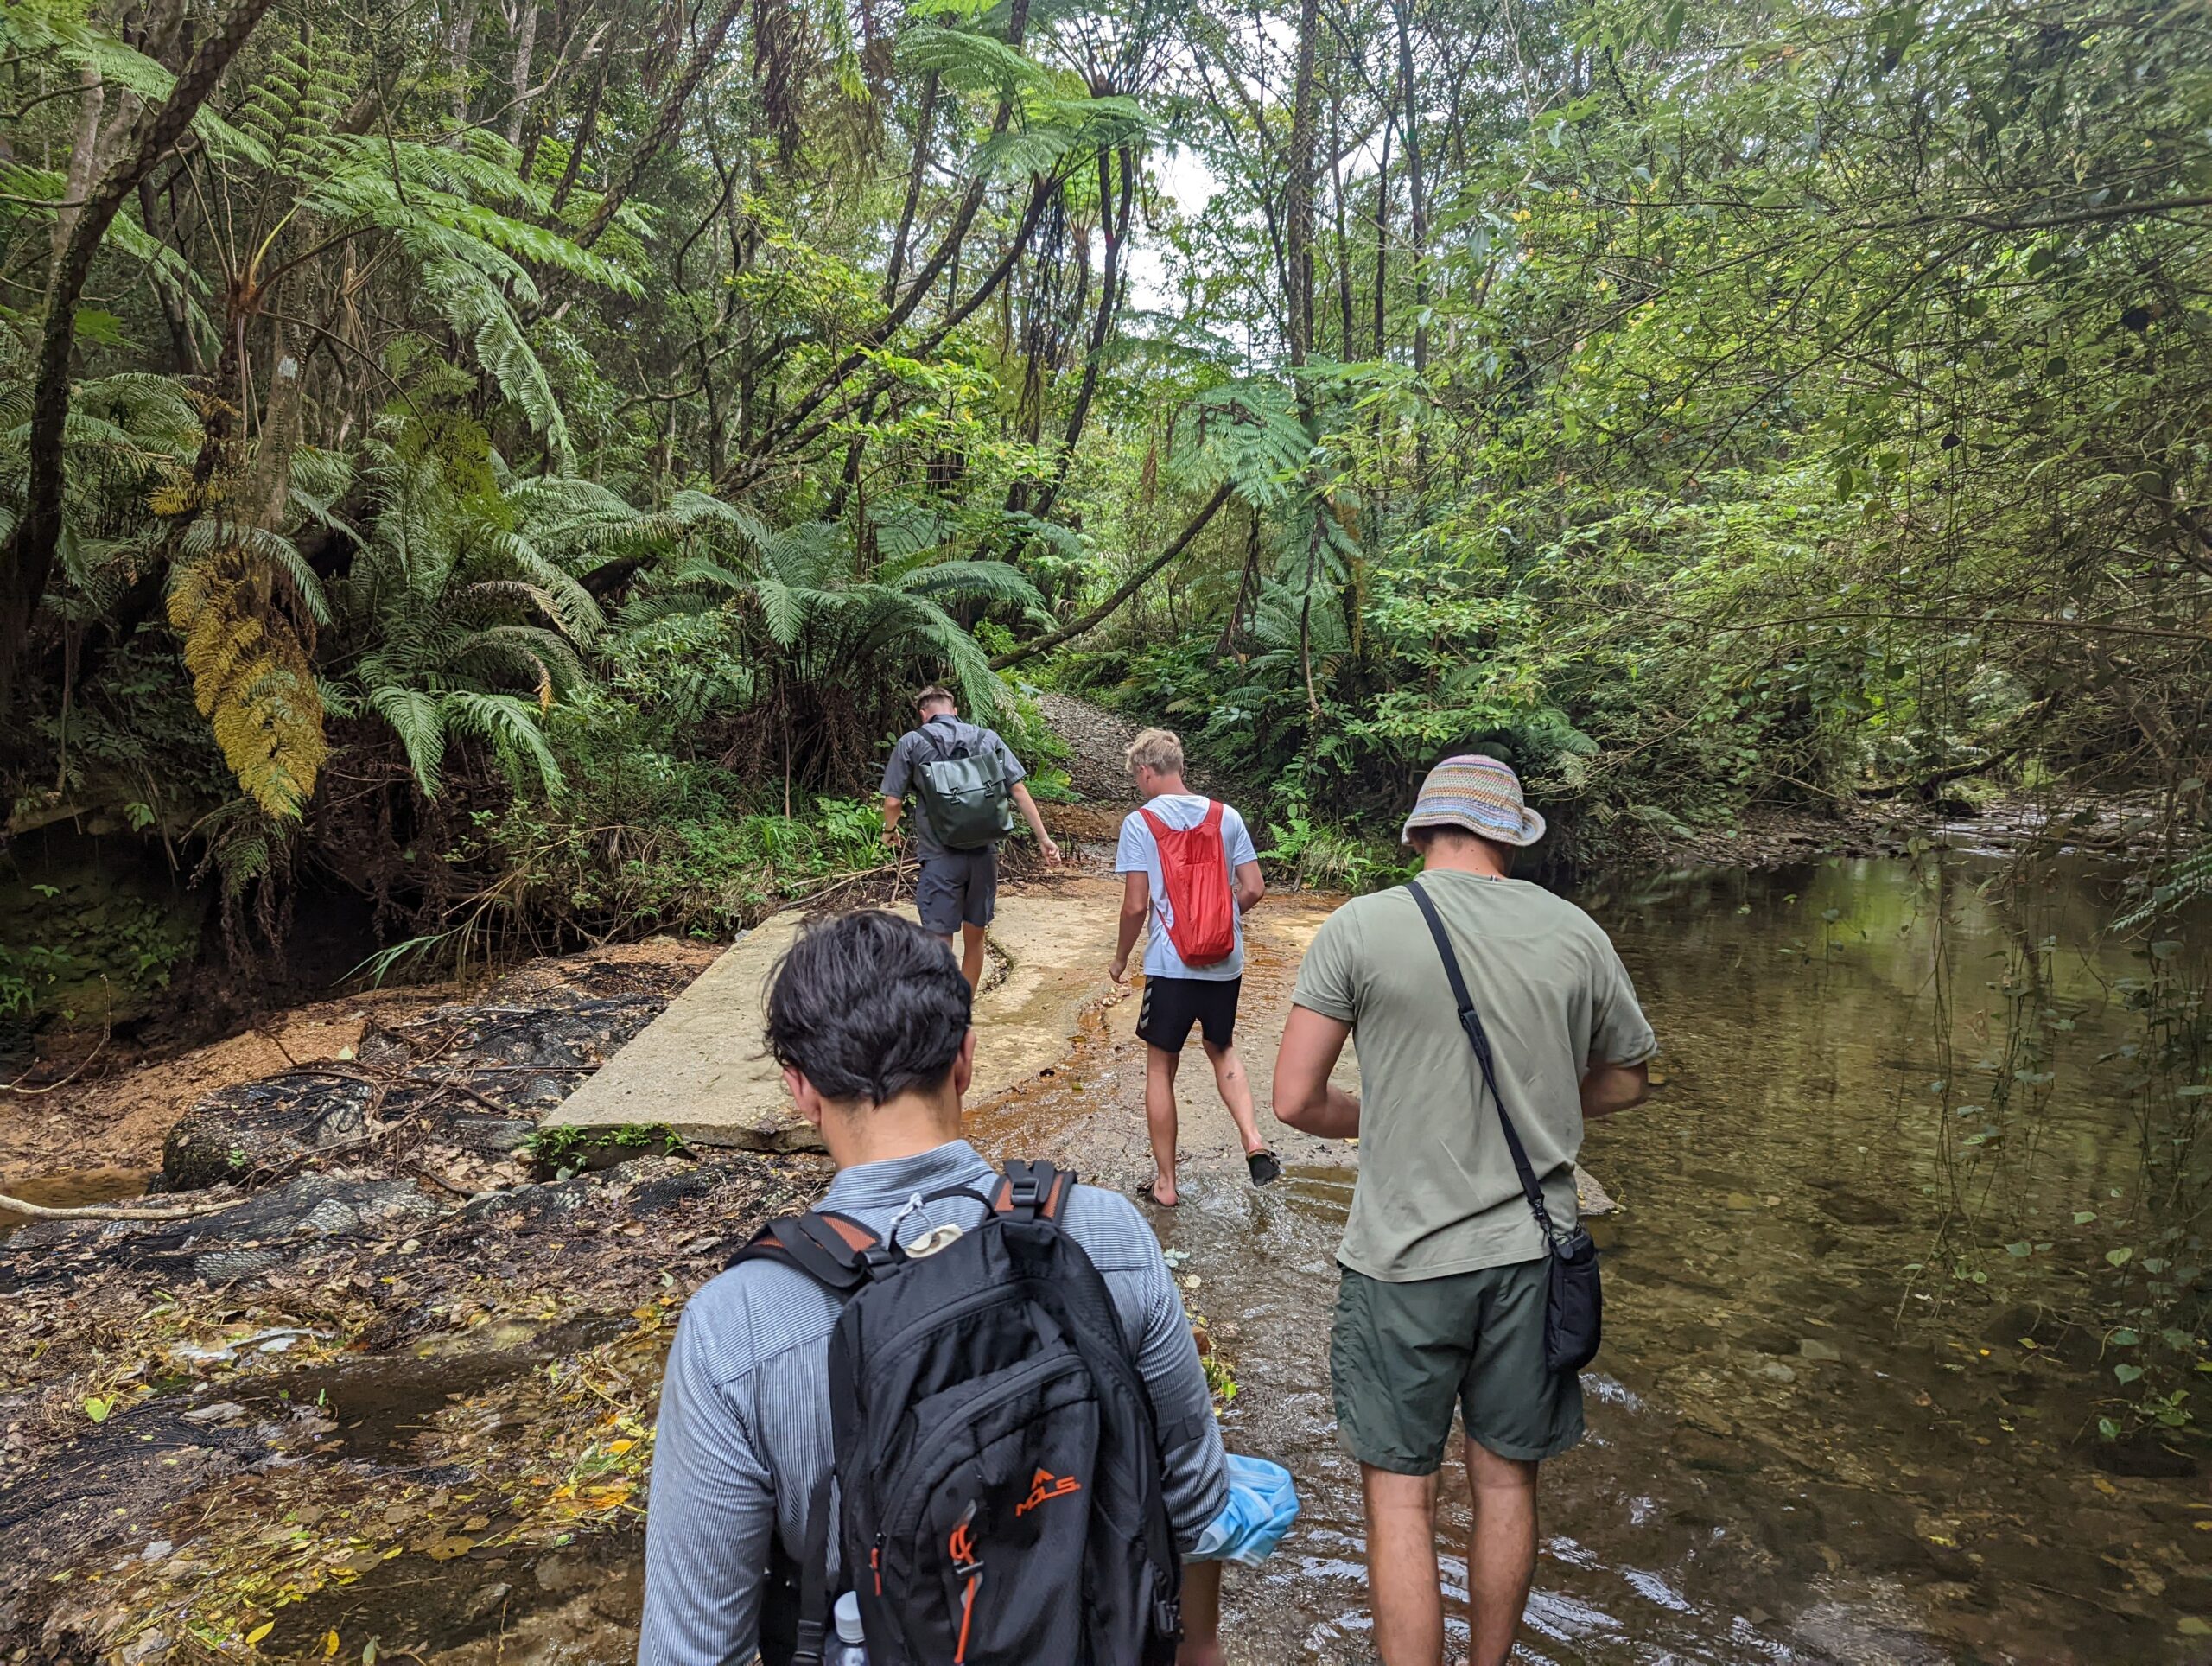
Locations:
(847, 1647)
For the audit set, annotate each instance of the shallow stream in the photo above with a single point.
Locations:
(1911, 1214)
(1860, 1298)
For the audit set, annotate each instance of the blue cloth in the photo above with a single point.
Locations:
(1138, 852)
(1263, 1505)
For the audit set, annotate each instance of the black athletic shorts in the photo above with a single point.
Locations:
(1171, 1005)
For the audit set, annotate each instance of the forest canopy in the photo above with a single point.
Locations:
(513, 461)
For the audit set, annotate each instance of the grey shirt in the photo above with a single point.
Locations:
(744, 1426)
(916, 748)
(1437, 1193)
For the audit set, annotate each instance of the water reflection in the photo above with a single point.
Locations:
(1857, 1355)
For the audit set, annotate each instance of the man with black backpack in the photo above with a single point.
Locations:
(969, 784)
(967, 1406)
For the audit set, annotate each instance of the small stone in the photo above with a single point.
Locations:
(1777, 1371)
(484, 1601)
(1821, 1353)
(222, 1414)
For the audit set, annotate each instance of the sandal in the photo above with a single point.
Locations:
(1148, 1191)
(1265, 1169)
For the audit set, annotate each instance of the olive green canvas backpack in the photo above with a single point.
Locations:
(964, 792)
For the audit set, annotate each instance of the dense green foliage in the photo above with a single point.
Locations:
(512, 462)
(512, 451)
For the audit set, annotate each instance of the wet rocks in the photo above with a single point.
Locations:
(264, 1125)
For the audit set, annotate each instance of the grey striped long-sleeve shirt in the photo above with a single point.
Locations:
(744, 1429)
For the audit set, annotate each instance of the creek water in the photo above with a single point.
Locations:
(1859, 1343)
(1866, 1302)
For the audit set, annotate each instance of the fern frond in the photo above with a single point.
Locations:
(982, 581)
(510, 724)
(414, 718)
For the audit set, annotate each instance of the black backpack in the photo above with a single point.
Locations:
(996, 1464)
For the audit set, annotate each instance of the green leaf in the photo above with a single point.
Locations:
(2119, 1257)
(2021, 1249)
(97, 1408)
(2083, 1217)
(2124, 1337)
(2126, 1374)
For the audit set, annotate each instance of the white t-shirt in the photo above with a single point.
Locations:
(1138, 852)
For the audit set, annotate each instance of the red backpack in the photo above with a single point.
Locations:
(1196, 870)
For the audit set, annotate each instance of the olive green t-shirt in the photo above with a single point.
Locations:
(1437, 1193)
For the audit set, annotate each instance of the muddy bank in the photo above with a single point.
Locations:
(388, 1358)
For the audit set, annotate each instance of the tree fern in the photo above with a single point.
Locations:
(1246, 434)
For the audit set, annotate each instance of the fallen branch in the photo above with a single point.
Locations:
(1122, 592)
(93, 1211)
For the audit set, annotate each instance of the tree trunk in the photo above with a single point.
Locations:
(27, 558)
(1344, 240)
(663, 129)
(585, 127)
(525, 48)
(1382, 242)
(1298, 215)
(463, 43)
(1417, 208)
(1113, 222)
(922, 124)
(1297, 245)
(83, 158)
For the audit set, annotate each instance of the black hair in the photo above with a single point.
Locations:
(868, 1005)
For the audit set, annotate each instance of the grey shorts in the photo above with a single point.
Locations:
(1400, 1356)
(959, 888)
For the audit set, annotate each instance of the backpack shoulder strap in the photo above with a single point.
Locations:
(1032, 1191)
(1159, 828)
(830, 1248)
(1211, 820)
(948, 743)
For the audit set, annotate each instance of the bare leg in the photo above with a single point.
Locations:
(1201, 1615)
(1501, 1551)
(1401, 1566)
(971, 954)
(1160, 1067)
(1236, 1089)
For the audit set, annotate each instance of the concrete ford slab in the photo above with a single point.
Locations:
(700, 1070)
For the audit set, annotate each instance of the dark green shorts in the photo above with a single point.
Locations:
(1400, 1355)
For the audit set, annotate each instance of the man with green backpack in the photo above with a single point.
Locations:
(969, 784)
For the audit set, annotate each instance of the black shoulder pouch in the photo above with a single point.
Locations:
(1574, 1305)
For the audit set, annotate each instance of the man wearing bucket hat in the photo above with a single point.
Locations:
(1445, 1270)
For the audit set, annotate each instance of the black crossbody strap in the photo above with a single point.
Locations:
(1471, 1022)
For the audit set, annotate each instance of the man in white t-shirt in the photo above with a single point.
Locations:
(1177, 995)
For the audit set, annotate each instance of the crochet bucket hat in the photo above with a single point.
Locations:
(1478, 794)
